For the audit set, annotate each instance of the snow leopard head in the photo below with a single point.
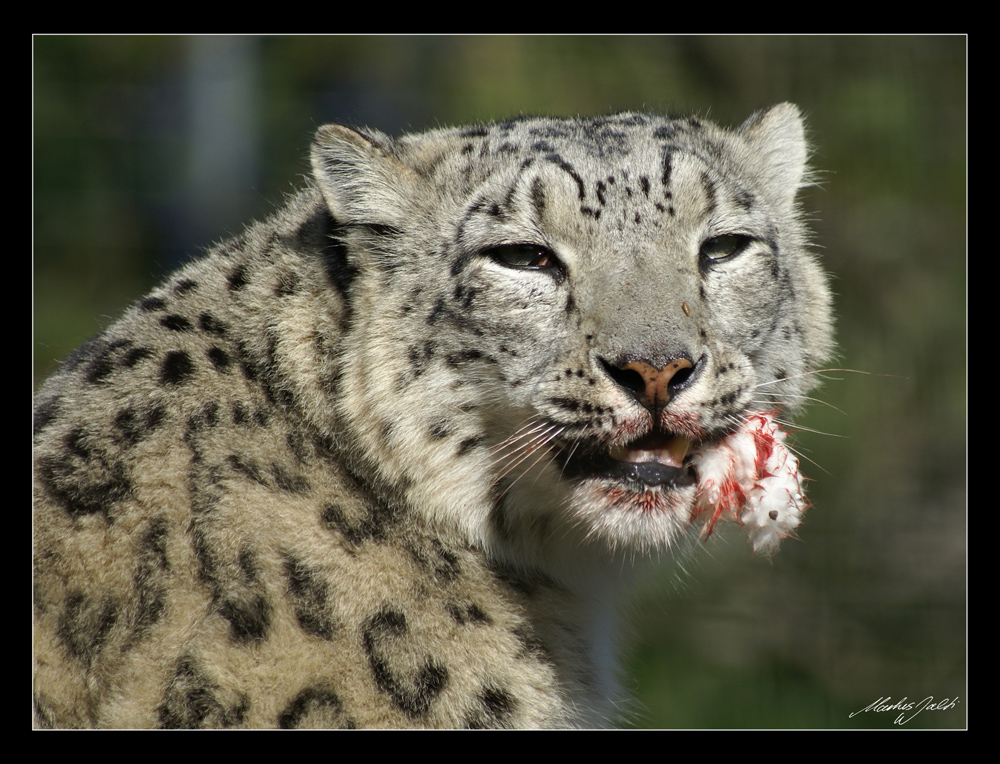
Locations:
(553, 317)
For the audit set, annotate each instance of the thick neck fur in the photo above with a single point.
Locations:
(572, 587)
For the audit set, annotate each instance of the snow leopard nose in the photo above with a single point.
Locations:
(653, 386)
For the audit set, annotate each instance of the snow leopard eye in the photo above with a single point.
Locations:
(528, 257)
(723, 247)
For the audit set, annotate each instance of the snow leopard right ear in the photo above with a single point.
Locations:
(361, 176)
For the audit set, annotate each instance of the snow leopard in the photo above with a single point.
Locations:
(394, 456)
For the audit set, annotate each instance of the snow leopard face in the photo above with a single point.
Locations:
(564, 314)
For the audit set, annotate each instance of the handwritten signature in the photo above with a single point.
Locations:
(907, 708)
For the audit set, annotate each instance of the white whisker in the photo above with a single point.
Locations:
(538, 442)
(528, 430)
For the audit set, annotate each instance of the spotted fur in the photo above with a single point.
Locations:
(359, 466)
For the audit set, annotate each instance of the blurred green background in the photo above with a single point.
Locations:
(147, 149)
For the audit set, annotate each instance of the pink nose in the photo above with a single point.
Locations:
(656, 391)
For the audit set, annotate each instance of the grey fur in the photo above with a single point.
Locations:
(311, 480)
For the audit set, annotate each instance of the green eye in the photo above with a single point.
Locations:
(526, 256)
(723, 247)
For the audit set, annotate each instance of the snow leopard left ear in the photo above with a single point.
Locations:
(361, 176)
(778, 149)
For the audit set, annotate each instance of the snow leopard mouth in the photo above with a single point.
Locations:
(656, 460)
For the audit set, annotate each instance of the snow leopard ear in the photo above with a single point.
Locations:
(361, 175)
(778, 149)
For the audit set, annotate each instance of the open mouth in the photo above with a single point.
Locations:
(656, 460)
